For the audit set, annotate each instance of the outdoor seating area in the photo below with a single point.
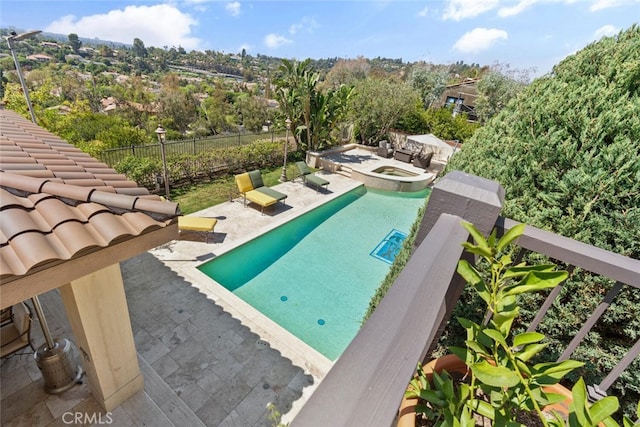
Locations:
(423, 161)
(309, 178)
(385, 149)
(403, 155)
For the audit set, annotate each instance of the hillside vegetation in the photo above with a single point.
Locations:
(567, 151)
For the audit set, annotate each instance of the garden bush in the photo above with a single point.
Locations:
(567, 151)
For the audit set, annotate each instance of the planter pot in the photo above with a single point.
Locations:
(450, 363)
(454, 365)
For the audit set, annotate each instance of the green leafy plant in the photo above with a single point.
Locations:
(504, 381)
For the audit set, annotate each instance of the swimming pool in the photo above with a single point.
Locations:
(316, 274)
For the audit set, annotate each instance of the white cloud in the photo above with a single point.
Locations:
(233, 8)
(309, 24)
(424, 11)
(607, 4)
(517, 9)
(158, 26)
(479, 39)
(461, 9)
(606, 31)
(273, 41)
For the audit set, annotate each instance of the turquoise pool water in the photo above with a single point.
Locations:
(316, 274)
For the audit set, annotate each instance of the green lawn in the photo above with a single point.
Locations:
(200, 196)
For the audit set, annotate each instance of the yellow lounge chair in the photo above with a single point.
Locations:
(197, 224)
(243, 181)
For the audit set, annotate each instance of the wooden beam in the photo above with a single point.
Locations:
(599, 261)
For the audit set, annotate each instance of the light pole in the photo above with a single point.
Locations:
(283, 177)
(11, 39)
(161, 139)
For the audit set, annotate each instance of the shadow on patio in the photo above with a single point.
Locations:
(201, 365)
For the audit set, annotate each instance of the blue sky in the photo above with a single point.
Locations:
(524, 34)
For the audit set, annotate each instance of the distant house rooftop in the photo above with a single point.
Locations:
(462, 96)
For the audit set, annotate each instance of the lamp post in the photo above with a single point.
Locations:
(161, 139)
(11, 39)
(283, 177)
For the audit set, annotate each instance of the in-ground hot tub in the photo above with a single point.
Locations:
(393, 178)
(393, 171)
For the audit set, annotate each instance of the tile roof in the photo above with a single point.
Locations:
(58, 203)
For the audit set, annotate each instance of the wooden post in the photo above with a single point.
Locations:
(97, 310)
(474, 199)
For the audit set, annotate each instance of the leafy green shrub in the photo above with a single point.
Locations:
(140, 170)
(566, 151)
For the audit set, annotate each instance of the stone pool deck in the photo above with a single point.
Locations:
(207, 357)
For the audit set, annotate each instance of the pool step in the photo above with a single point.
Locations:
(344, 171)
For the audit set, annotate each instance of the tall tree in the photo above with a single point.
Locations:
(497, 87)
(138, 48)
(347, 72)
(75, 42)
(377, 104)
(295, 84)
(176, 105)
(430, 81)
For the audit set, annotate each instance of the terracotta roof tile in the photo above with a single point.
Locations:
(18, 221)
(63, 168)
(8, 200)
(36, 173)
(57, 203)
(27, 185)
(54, 162)
(21, 166)
(54, 211)
(32, 249)
(91, 209)
(71, 192)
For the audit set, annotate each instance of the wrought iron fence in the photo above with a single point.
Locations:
(192, 146)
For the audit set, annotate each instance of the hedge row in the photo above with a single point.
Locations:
(187, 169)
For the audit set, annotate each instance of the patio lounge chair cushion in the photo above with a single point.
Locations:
(260, 198)
(244, 182)
(256, 179)
(197, 224)
(258, 185)
(309, 177)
